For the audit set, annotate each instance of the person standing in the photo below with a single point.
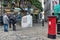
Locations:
(42, 19)
(12, 21)
(5, 21)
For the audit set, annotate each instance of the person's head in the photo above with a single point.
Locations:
(5, 13)
(25, 13)
(31, 14)
(12, 12)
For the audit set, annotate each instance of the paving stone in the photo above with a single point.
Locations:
(34, 33)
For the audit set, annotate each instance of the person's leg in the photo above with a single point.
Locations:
(5, 27)
(43, 22)
(14, 27)
(36, 18)
(9, 25)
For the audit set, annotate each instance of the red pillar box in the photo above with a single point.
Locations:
(52, 27)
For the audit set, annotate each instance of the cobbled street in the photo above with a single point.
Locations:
(37, 32)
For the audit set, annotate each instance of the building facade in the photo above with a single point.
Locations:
(47, 4)
(49, 7)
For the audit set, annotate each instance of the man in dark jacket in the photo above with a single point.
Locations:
(12, 20)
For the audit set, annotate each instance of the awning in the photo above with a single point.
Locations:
(57, 9)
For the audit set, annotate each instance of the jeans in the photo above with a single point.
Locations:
(5, 27)
(42, 22)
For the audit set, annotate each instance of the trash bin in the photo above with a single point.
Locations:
(52, 27)
(58, 27)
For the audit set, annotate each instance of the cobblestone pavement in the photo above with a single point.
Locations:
(37, 32)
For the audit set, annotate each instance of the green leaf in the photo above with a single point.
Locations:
(4, 4)
(37, 4)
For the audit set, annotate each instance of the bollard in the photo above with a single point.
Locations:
(52, 27)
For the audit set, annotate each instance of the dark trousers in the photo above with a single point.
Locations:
(36, 18)
(9, 25)
(42, 22)
(14, 27)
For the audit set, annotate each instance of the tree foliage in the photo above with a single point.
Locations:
(37, 4)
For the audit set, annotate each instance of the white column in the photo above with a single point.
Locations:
(43, 9)
(51, 7)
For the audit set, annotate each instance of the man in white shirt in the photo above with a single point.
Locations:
(5, 21)
(26, 21)
(29, 20)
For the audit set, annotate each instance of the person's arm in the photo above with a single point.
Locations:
(7, 18)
